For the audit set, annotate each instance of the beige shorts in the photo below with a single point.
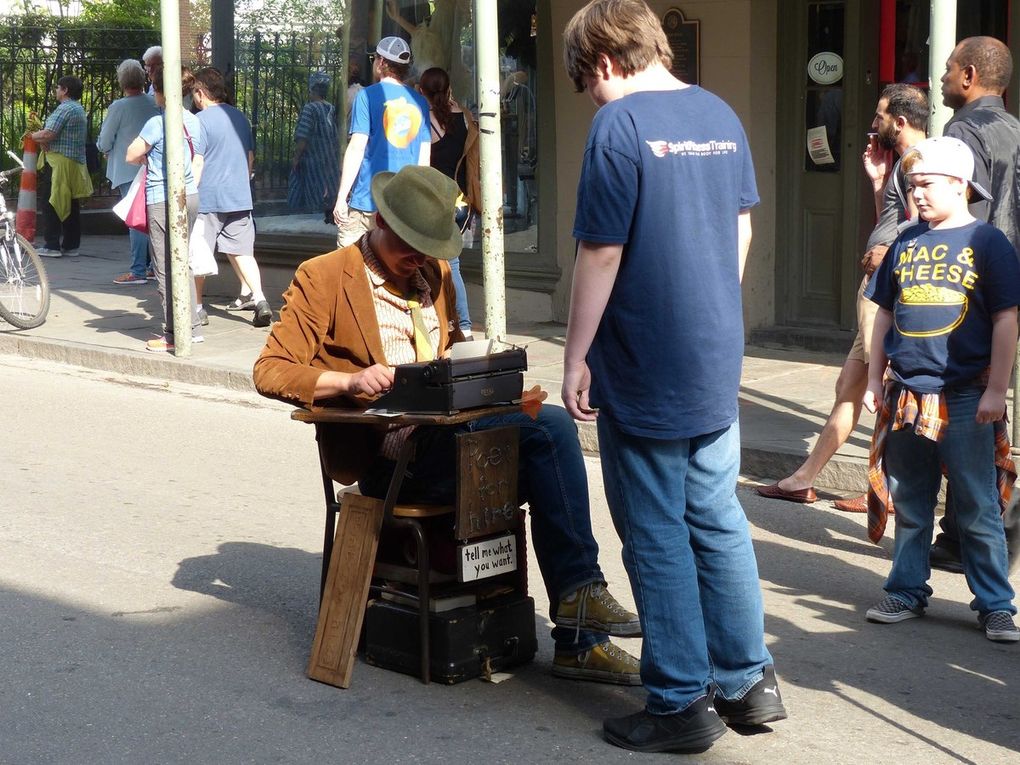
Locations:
(358, 222)
(866, 312)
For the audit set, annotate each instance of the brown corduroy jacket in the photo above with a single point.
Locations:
(328, 323)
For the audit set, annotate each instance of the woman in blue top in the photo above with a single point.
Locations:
(149, 147)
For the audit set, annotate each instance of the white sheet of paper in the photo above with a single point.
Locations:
(471, 349)
(818, 146)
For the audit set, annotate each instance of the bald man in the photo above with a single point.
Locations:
(977, 74)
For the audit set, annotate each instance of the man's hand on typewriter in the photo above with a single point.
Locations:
(376, 379)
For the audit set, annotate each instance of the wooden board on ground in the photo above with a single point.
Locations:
(343, 602)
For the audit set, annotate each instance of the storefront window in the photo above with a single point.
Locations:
(441, 34)
(913, 20)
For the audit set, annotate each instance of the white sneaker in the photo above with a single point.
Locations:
(46, 252)
(70, 253)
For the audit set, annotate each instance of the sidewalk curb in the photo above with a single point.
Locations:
(842, 473)
(142, 364)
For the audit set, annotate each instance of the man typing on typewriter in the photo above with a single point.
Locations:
(353, 314)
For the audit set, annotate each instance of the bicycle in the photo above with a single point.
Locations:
(24, 286)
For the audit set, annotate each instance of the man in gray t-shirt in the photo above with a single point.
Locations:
(900, 120)
(225, 220)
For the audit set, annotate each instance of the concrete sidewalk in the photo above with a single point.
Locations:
(785, 395)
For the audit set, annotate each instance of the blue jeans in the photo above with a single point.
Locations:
(551, 478)
(912, 463)
(139, 243)
(687, 549)
(463, 314)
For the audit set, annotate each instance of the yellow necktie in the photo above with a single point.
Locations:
(422, 347)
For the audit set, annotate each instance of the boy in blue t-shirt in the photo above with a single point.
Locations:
(947, 293)
(663, 226)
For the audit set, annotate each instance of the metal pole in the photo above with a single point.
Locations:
(176, 196)
(943, 40)
(490, 152)
(376, 22)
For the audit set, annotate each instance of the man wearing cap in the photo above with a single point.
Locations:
(389, 129)
(977, 74)
(947, 293)
(353, 314)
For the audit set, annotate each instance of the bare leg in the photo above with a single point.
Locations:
(199, 289)
(247, 270)
(846, 411)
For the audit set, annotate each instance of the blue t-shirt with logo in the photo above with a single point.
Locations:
(666, 174)
(396, 120)
(942, 287)
(225, 187)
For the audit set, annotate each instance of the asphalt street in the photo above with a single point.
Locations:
(159, 559)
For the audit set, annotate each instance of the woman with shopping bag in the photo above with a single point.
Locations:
(149, 149)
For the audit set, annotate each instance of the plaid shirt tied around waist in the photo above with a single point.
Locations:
(928, 415)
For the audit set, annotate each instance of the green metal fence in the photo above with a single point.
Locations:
(270, 83)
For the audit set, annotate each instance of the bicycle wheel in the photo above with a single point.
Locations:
(24, 288)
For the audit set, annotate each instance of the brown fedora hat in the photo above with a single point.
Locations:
(419, 204)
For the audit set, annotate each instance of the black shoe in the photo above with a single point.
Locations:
(692, 730)
(263, 314)
(761, 704)
(946, 558)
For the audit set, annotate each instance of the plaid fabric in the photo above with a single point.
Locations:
(68, 122)
(928, 415)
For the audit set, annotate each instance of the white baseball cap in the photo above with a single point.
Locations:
(944, 155)
(394, 49)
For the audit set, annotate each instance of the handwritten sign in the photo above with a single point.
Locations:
(684, 38)
(487, 486)
(489, 558)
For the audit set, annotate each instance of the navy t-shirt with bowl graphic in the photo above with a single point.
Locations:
(666, 174)
(942, 287)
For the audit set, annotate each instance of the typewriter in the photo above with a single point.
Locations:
(445, 386)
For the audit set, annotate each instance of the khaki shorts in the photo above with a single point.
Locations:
(358, 222)
(866, 313)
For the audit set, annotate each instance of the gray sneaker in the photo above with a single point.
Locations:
(892, 610)
(46, 252)
(999, 627)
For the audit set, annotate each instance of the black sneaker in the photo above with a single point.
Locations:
(999, 626)
(263, 315)
(945, 558)
(761, 704)
(692, 730)
(892, 610)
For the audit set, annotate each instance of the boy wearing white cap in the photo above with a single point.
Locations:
(947, 293)
(389, 130)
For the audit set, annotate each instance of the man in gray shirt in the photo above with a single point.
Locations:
(900, 121)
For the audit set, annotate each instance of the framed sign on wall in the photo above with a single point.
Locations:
(685, 39)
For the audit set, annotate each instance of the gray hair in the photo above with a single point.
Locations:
(130, 75)
(156, 51)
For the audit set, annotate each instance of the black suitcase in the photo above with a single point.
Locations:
(464, 642)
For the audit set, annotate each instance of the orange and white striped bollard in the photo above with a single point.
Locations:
(26, 218)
